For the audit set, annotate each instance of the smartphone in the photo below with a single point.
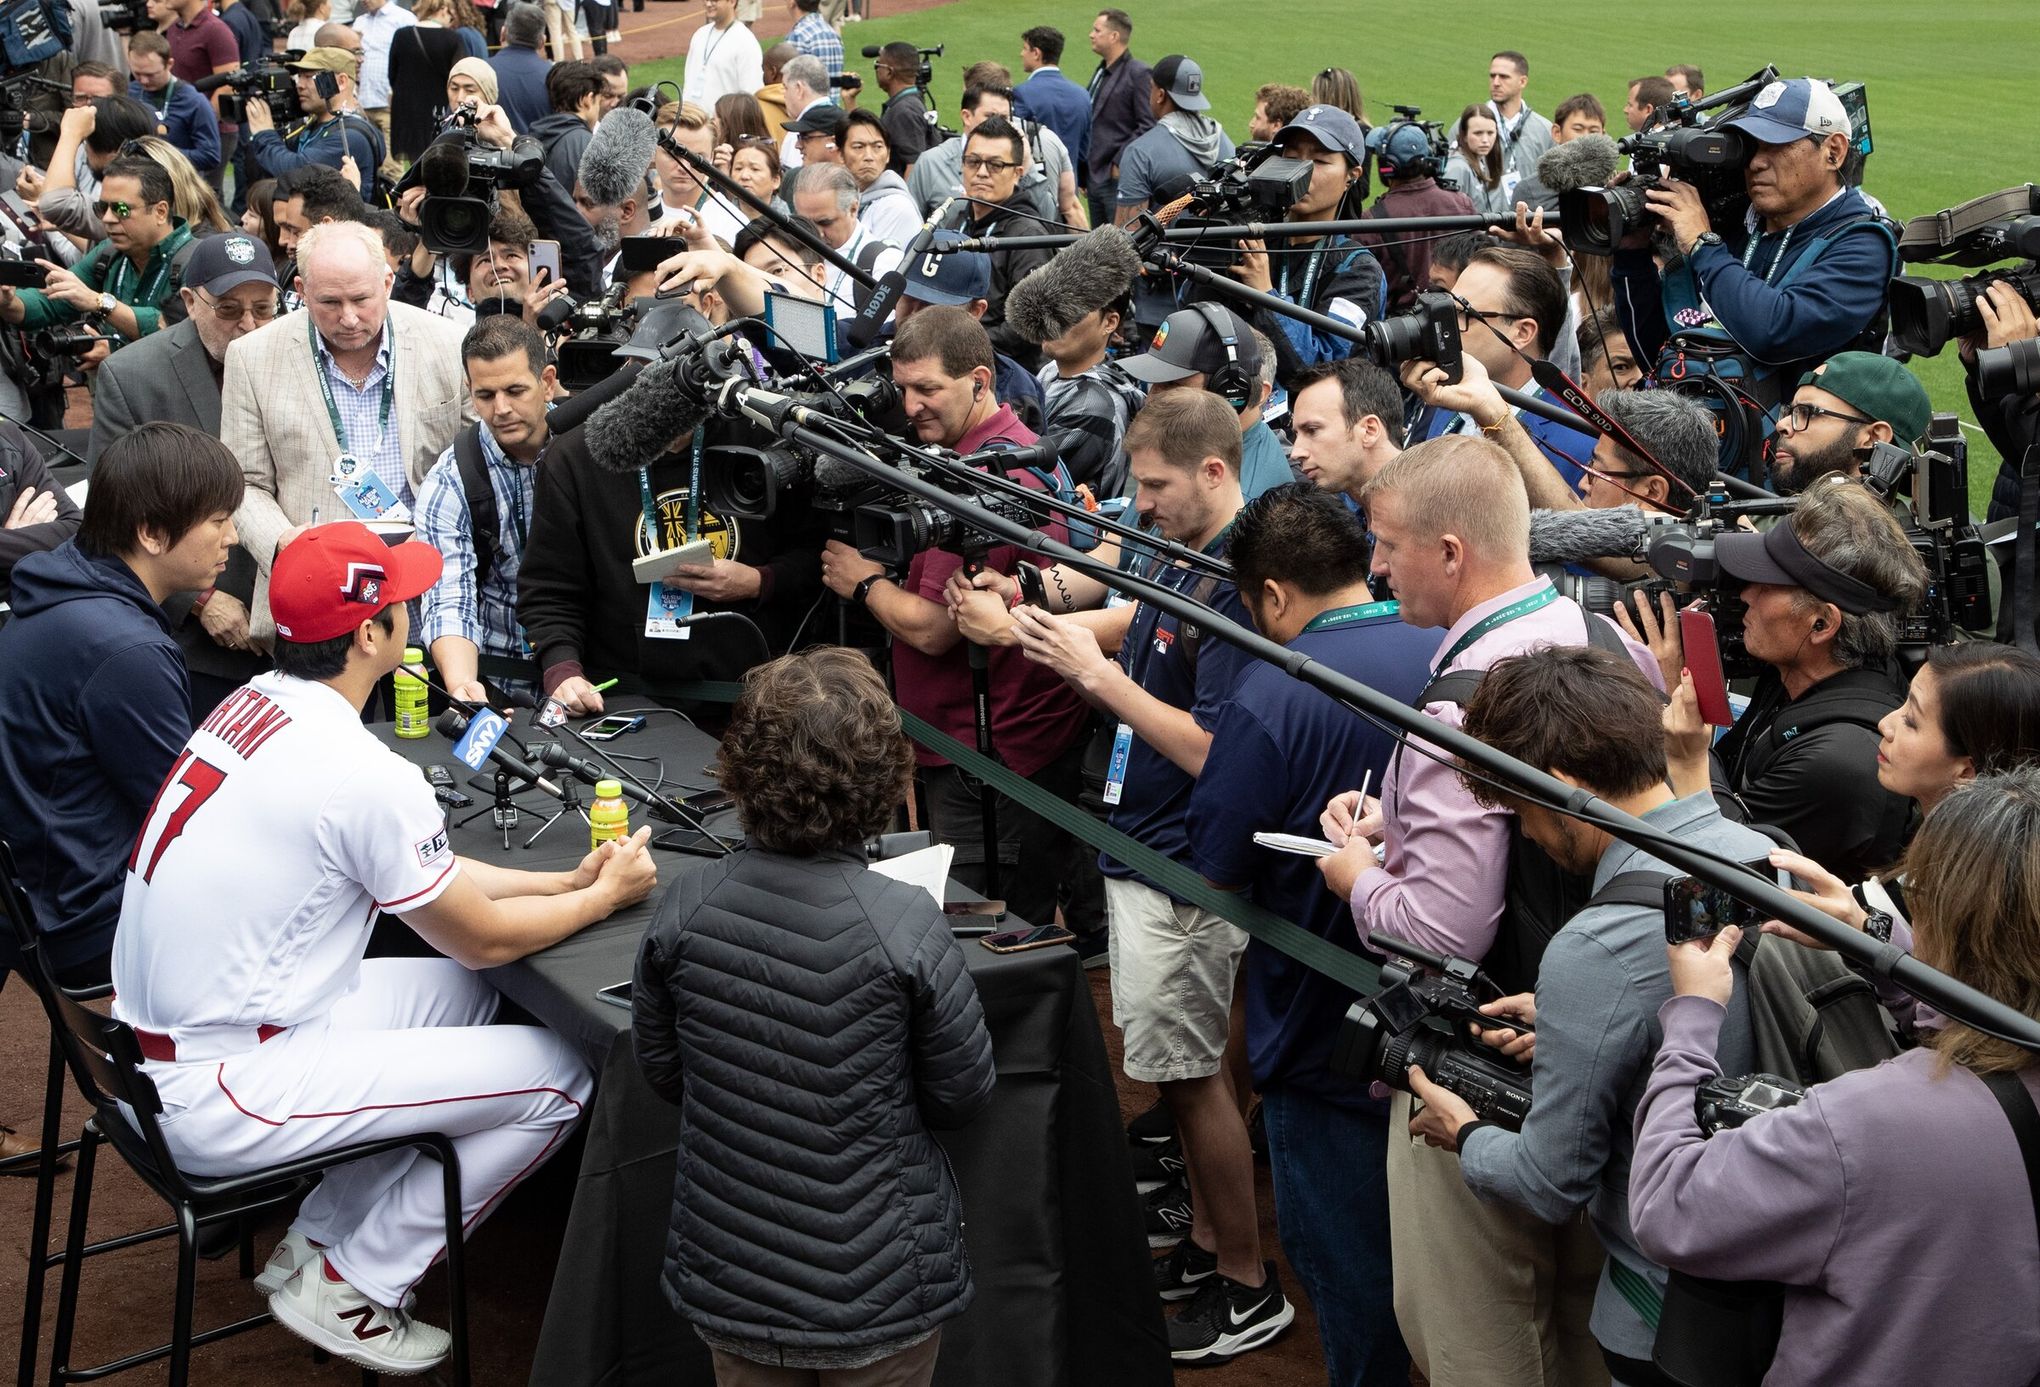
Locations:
(640, 253)
(544, 255)
(610, 728)
(988, 910)
(1702, 653)
(1016, 941)
(708, 801)
(1695, 910)
(617, 994)
(22, 274)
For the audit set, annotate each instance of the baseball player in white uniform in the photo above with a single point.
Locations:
(283, 828)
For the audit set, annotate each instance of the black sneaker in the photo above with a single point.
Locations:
(1185, 1271)
(1225, 1319)
(1168, 1215)
(1158, 1165)
(1152, 1127)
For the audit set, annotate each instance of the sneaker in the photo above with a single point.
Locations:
(1167, 1212)
(1155, 1166)
(293, 1252)
(1225, 1319)
(332, 1315)
(1185, 1271)
(1154, 1126)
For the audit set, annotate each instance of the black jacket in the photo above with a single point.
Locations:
(22, 469)
(813, 1020)
(581, 605)
(1009, 267)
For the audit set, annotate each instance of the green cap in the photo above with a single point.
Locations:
(609, 789)
(1879, 388)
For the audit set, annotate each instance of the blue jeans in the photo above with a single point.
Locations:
(1331, 1203)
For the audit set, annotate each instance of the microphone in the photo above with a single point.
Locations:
(554, 315)
(871, 50)
(619, 155)
(1587, 162)
(587, 772)
(1042, 454)
(1082, 278)
(452, 723)
(667, 401)
(575, 409)
(894, 282)
(1574, 536)
(212, 81)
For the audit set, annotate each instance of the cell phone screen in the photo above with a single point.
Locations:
(1695, 910)
(615, 725)
(1008, 941)
(617, 994)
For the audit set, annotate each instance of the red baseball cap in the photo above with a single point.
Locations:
(333, 577)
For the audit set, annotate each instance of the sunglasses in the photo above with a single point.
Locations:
(121, 210)
(977, 163)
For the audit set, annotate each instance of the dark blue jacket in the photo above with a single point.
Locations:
(1121, 108)
(328, 142)
(1061, 105)
(187, 121)
(520, 86)
(97, 710)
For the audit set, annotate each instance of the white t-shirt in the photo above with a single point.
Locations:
(282, 829)
(721, 61)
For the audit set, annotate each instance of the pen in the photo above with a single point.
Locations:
(605, 686)
(1365, 781)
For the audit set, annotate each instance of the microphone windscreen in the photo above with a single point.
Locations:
(573, 411)
(554, 315)
(644, 421)
(834, 477)
(450, 724)
(443, 169)
(618, 156)
(1574, 536)
(1587, 162)
(1081, 279)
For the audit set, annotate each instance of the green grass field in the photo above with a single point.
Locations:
(1943, 80)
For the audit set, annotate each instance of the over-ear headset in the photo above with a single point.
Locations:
(1232, 382)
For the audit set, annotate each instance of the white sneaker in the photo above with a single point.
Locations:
(332, 1315)
(293, 1252)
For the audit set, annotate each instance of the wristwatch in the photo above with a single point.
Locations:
(1877, 925)
(861, 594)
(107, 303)
(1706, 238)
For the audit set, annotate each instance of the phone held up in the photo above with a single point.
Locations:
(1695, 910)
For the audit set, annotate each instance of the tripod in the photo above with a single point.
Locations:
(503, 808)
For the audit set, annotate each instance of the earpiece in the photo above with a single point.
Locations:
(1820, 623)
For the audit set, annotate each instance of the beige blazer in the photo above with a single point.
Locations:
(273, 419)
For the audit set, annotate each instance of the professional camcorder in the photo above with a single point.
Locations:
(128, 16)
(1926, 314)
(924, 78)
(1256, 185)
(1411, 147)
(462, 175)
(1723, 1103)
(1420, 1016)
(268, 80)
(1941, 530)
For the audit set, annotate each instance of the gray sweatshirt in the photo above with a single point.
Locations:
(1598, 991)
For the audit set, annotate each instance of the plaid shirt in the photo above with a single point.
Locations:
(813, 36)
(452, 605)
(363, 432)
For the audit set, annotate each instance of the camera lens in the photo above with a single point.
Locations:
(2013, 369)
(1594, 220)
(1927, 313)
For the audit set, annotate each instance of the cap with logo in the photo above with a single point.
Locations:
(1187, 343)
(338, 60)
(960, 276)
(1879, 388)
(1183, 80)
(1332, 128)
(820, 118)
(333, 577)
(220, 264)
(1796, 109)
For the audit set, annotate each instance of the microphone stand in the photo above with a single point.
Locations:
(1937, 989)
(724, 183)
(504, 808)
(1255, 231)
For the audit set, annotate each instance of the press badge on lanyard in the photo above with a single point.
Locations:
(669, 611)
(1115, 773)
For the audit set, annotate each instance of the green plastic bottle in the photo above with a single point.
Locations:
(609, 815)
(414, 719)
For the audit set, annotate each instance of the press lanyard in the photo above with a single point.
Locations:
(1310, 272)
(1750, 252)
(389, 390)
(644, 482)
(1498, 619)
(1346, 616)
(117, 277)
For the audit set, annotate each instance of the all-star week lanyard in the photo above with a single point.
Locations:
(389, 390)
(1346, 616)
(1494, 619)
(651, 509)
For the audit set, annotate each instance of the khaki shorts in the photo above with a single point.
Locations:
(1172, 982)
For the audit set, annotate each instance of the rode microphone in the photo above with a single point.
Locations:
(893, 282)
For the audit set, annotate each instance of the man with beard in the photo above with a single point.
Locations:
(1842, 406)
(613, 193)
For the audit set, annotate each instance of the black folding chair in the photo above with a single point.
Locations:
(49, 1151)
(105, 1060)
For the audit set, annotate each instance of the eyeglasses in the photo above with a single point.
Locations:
(229, 312)
(1801, 417)
(121, 210)
(978, 163)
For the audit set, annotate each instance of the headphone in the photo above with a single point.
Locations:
(1232, 382)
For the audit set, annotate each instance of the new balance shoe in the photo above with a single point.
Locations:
(1155, 1166)
(293, 1252)
(1183, 1272)
(1152, 1127)
(1167, 1212)
(1225, 1319)
(332, 1315)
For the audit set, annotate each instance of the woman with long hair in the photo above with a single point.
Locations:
(737, 114)
(192, 198)
(259, 220)
(1478, 168)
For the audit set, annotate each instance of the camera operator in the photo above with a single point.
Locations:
(1805, 280)
(1333, 275)
(187, 118)
(942, 362)
(1348, 419)
(2010, 420)
(498, 278)
(1409, 168)
(89, 137)
(1911, 1164)
(1590, 719)
(333, 130)
(614, 193)
(1451, 534)
(126, 280)
(1842, 406)
(1280, 749)
(909, 125)
(550, 207)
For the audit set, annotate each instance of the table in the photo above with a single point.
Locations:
(1064, 1288)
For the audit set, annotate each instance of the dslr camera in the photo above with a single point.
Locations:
(1420, 1016)
(1926, 314)
(269, 81)
(1722, 1102)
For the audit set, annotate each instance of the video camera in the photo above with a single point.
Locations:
(1410, 147)
(1926, 314)
(1420, 1016)
(128, 16)
(267, 79)
(1942, 532)
(15, 113)
(1257, 184)
(925, 77)
(461, 177)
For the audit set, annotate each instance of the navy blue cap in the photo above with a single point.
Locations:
(1796, 109)
(220, 264)
(959, 276)
(1331, 127)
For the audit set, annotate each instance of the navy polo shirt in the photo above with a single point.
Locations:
(1156, 796)
(1280, 750)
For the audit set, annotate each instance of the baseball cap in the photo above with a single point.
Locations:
(960, 276)
(1331, 127)
(328, 60)
(333, 577)
(1793, 110)
(1878, 387)
(1187, 343)
(821, 117)
(1183, 80)
(222, 263)
(1777, 557)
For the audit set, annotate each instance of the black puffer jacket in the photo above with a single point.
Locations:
(813, 1020)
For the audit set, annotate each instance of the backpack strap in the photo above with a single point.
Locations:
(484, 524)
(2012, 1096)
(1632, 888)
(1190, 635)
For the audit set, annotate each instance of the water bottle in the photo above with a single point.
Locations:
(609, 815)
(414, 719)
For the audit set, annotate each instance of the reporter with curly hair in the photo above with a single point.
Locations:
(813, 1021)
